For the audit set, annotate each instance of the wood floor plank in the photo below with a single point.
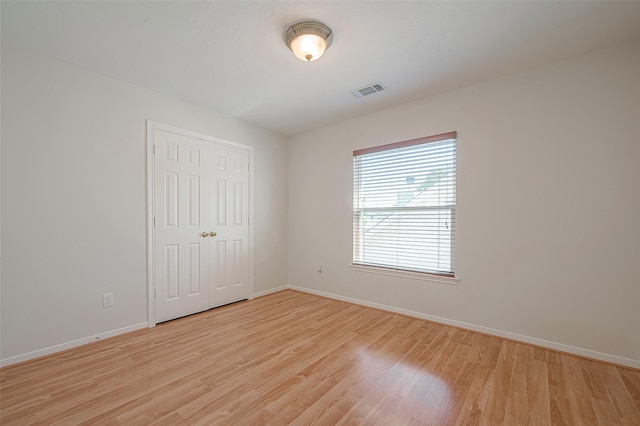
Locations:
(292, 358)
(579, 393)
(631, 382)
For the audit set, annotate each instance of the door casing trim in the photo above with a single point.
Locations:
(151, 127)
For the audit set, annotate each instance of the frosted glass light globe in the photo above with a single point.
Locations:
(308, 47)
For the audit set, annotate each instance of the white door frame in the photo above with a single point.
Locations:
(152, 126)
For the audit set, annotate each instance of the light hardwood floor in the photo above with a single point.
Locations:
(295, 358)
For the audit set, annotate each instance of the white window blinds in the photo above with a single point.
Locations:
(404, 197)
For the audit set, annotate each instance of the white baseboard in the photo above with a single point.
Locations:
(270, 291)
(586, 353)
(68, 345)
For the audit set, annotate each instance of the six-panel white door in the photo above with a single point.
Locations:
(201, 212)
(229, 249)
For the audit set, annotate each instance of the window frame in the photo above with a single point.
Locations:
(395, 270)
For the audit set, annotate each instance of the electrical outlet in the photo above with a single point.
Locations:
(107, 300)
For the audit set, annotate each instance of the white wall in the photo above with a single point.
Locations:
(548, 177)
(548, 218)
(74, 200)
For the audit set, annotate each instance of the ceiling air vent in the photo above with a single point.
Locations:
(368, 90)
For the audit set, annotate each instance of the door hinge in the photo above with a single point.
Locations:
(154, 221)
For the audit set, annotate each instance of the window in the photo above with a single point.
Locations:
(404, 197)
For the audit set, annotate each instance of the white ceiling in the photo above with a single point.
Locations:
(230, 56)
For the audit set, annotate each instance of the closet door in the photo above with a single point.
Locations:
(201, 232)
(229, 266)
(181, 221)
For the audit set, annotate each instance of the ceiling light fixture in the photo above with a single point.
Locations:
(308, 40)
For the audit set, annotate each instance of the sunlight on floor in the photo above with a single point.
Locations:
(404, 388)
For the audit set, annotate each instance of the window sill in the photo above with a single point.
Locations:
(406, 274)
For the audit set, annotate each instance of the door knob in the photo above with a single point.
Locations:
(205, 234)
(212, 234)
